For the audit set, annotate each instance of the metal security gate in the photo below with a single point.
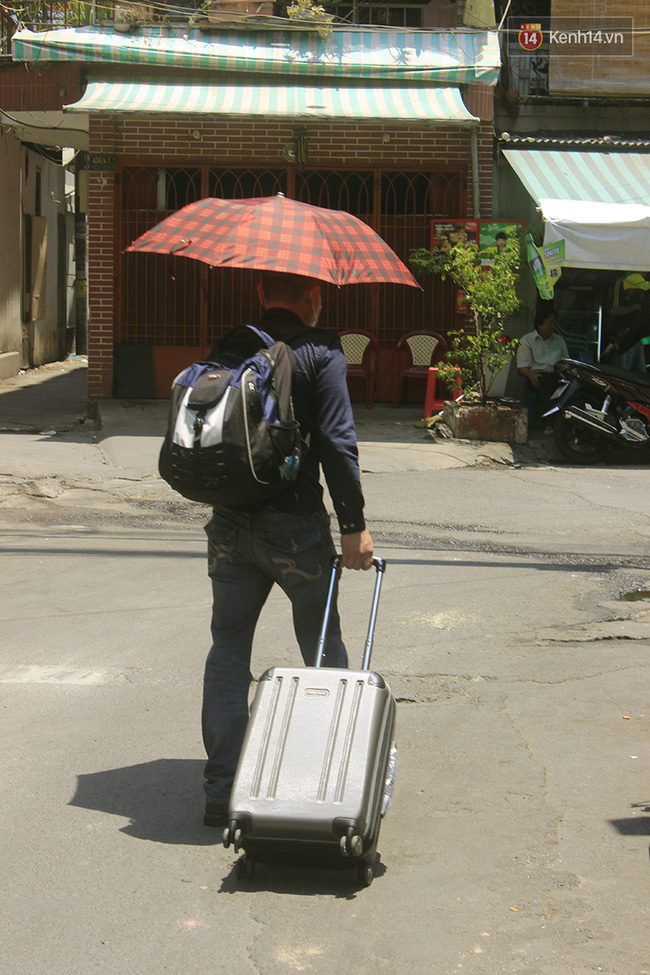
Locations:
(169, 310)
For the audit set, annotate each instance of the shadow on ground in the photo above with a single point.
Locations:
(52, 397)
(163, 799)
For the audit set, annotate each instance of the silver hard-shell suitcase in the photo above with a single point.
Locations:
(316, 765)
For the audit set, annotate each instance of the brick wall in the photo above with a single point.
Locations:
(479, 100)
(236, 143)
(233, 142)
(24, 88)
(101, 265)
(485, 137)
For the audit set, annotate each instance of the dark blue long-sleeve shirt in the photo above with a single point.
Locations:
(322, 408)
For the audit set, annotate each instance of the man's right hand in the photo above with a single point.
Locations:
(357, 550)
(531, 376)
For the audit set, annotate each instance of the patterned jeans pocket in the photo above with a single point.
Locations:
(222, 545)
(296, 550)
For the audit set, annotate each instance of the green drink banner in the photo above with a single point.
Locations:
(546, 264)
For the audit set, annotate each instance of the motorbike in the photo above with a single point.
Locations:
(598, 409)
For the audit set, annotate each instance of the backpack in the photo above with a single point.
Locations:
(232, 437)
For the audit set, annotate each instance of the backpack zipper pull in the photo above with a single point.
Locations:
(197, 428)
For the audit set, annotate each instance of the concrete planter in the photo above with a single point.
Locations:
(495, 421)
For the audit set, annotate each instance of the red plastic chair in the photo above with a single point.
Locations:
(361, 349)
(437, 393)
(414, 354)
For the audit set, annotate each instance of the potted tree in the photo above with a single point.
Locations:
(480, 352)
(130, 14)
(307, 12)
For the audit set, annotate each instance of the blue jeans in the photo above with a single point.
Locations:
(247, 554)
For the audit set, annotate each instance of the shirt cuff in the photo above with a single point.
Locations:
(350, 521)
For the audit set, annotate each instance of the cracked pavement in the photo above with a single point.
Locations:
(517, 840)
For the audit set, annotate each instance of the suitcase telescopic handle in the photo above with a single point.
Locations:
(380, 566)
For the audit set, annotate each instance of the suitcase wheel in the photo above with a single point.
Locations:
(232, 834)
(245, 868)
(351, 844)
(365, 874)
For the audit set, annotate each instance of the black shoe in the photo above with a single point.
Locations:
(216, 814)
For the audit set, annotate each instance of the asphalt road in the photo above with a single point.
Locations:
(517, 840)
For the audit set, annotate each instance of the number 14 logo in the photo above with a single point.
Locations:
(530, 36)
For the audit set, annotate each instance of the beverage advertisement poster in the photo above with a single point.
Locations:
(445, 234)
(493, 235)
(489, 236)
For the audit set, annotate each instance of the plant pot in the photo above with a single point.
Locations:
(220, 10)
(128, 16)
(497, 381)
(493, 422)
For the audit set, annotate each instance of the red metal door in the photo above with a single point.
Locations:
(175, 308)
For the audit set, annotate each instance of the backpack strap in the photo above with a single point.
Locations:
(267, 341)
(227, 338)
(286, 365)
(264, 337)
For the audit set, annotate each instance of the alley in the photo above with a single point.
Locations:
(517, 840)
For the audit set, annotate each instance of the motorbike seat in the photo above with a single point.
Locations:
(618, 373)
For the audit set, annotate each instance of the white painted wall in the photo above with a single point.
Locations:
(47, 320)
(32, 325)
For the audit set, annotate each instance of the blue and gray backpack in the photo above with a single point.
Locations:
(232, 437)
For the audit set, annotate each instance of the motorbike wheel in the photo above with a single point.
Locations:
(577, 442)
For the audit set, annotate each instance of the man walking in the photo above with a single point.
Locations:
(286, 540)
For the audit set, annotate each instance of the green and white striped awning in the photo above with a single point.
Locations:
(368, 102)
(436, 57)
(593, 177)
(598, 203)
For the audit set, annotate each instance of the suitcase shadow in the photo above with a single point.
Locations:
(307, 881)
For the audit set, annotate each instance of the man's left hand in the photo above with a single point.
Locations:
(357, 550)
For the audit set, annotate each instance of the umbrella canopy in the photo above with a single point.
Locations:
(274, 233)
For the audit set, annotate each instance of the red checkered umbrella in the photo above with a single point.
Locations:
(278, 234)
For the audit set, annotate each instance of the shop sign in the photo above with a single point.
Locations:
(101, 162)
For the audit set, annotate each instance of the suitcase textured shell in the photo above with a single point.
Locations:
(313, 765)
